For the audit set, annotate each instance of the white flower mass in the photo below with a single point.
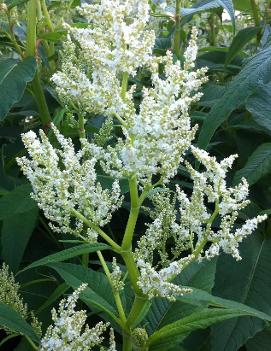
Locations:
(97, 62)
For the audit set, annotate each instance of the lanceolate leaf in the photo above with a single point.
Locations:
(16, 232)
(19, 214)
(255, 73)
(67, 254)
(14, 76)
(259, 105)
(249, 283)
(175, 332)
(257, 166)
(98, 294)
(205, 5)
(240, 40)
(12, 320)
(198, 297)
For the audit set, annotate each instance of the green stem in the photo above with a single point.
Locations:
(107, 238)
(47, 16)
(138, 311)
(31, 51)
(81, 126)
(31, 28)
(133, 216)
(177, 35)
(132, 269)
(127, 344)
(124, 84)
(38, 92)
(35, 347)
(256, 18)
(212, 30)
(115, 293)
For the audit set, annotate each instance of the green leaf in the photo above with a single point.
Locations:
(239, 41)
(67, 254)
(259, 105)
(198, 297)
(98, 294)
(248, 282)
(16, 232)
(14, 76)
(12, 320)
(205, 5)
(177, 331)
(19, 214)
(256, 72)
(17, 201)
(257, 166)
(163, 312)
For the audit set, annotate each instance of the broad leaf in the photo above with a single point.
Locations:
(257, 166)
(239, 41)
(256, 72)
(17, 201)
(259, 105)
(67, 254)
(16, 232)
(98, 294)
(14, 76)
(19, 214)
(248, 282)
(12, 320)
(177, 331)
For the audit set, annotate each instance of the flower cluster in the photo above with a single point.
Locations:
(191, 227)
(69, 331)
(9, 292)
(64, 180)
(115, 42)
(157, 137)
(10, 295)
(116, 276)
(115, 45)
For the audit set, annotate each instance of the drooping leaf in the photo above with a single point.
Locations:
(10, 319)
(249, 283)
(14, 76)
(257, 166)
(205, 5)
(259, 105)
(239, 41)
(255, 73)
(98, 294)
(67, 254)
